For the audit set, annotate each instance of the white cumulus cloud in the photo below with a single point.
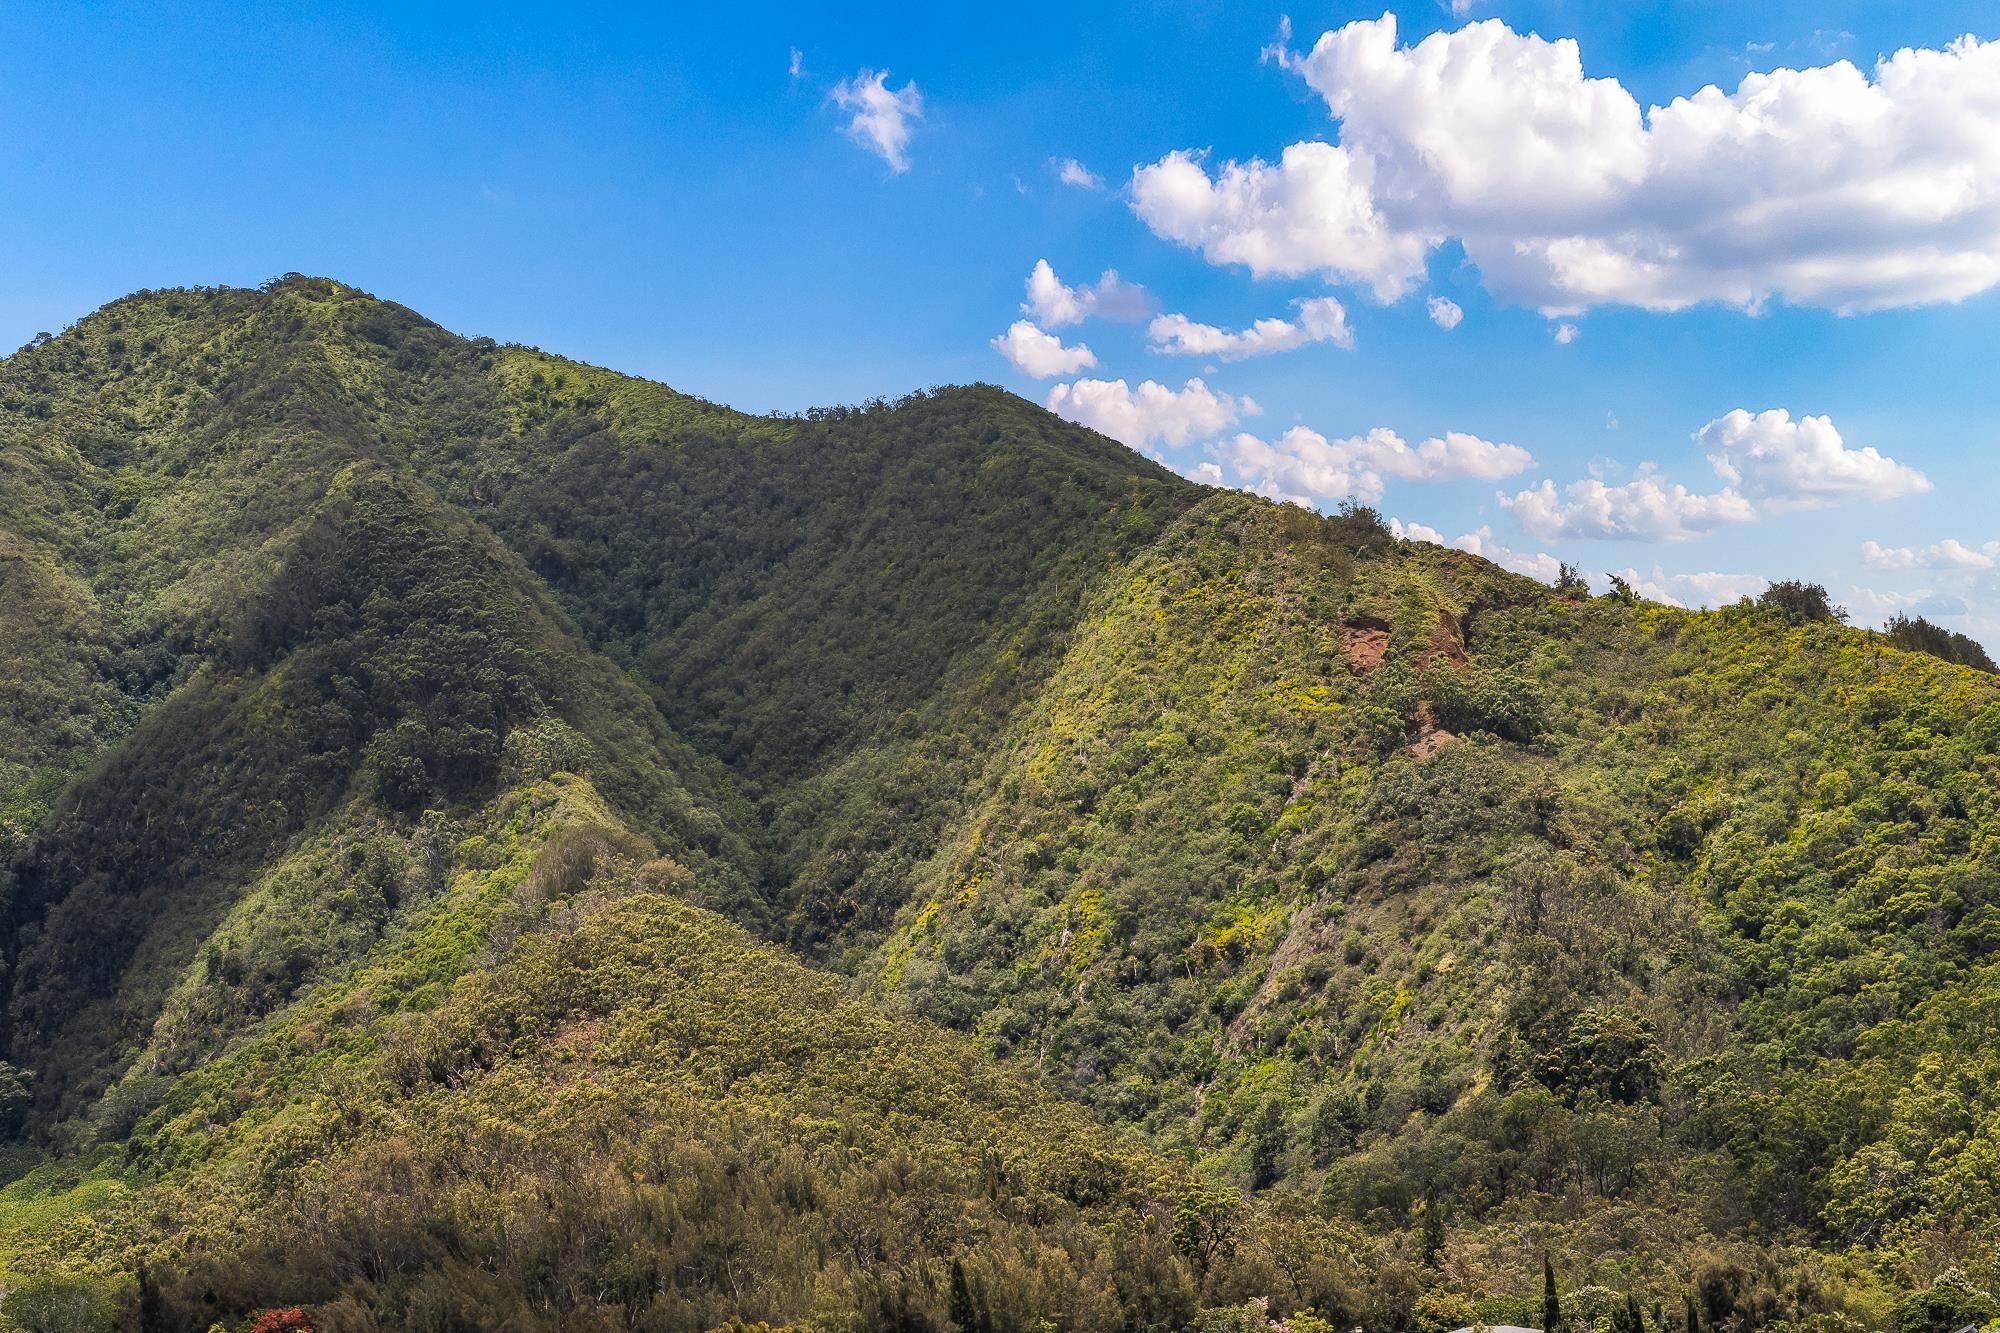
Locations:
(1304, 462)
(882, 118)
(1712, 588)
(1766, 461)
(1700, 589)
(1445, 312)
(1565, 334)
(1415, 532)
(1040, 354)
(1949, 554)
(1055, 304)
(1706, 588)
(1151, 413)
(1535, 564)
(1802, 464)
(1312, 211)
(1644, 509)
(1834, 186)
(1320, 319)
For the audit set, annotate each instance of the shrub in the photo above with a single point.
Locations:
(1801, 603)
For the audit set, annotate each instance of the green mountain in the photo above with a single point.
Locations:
(492, 843)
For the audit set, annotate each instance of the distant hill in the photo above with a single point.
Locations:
(404, 739)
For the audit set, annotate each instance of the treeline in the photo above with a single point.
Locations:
(1920, 635)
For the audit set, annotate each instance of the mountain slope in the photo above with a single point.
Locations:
(1370, 867)
(557, 1096)
(184, 470)
(391, 719)
(867, 593)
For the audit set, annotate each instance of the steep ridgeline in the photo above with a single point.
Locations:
(403, 739)
(1518, 920)
(276, 525)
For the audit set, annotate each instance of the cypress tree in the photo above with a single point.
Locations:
(964, 1313)
(152, 1315)
(1552, 1311)
(1635, 1321)
(1433, 1233)
(1267, 1145)
(1693, 1314)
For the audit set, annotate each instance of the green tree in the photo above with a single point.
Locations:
(1205, 1222)
(1431, 1247)
(1552, 1311)
(15, 1097)
(964, 1310)
(1801, 603)
(1267, 1145)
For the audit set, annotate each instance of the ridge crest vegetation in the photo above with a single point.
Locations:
(487, 842)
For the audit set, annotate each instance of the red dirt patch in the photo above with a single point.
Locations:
(1445, 641)
(1431, 737)
(1366, 642)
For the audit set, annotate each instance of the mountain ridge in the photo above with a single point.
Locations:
(1444, 917)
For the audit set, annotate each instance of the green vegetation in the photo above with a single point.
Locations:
(1918, 635)
(1227, 913)
(562, 1097)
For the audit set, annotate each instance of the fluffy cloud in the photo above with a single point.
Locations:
(1830, 186)
(1415, 532)
(1320, 319)
(1040, 354)
(1565, 334)
(1312, 211)
(1710, 588)
(1700, 589)
(1948, 554)
(1767, 461)
(1644, 509)
(1149, 414)
(1304, 462)
(1445, 313)
(1705, 589)
(882, 119)
(1800, 464)
(1073, 172)
(1056, 304)
(1535, 564)
(1451, 457)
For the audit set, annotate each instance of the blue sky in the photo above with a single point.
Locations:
(669, 193)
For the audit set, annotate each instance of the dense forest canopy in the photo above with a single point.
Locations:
(486, 842)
